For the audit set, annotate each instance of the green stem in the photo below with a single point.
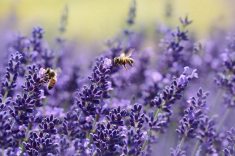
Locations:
(158, 110)
(182, 142)
(149, 133)
(195, 148)
(147, 140)
(2, 152)
(93, 129)
(224, 117)
(25, 139)
(94, 154)
(156, 113)
(5, 96)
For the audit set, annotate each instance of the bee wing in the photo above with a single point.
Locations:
(58, 71)
(55, 78)
(42, 71)
(130, 52)
(115, 60)
(122, 54)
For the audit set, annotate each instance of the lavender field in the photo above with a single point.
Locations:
(169, 95)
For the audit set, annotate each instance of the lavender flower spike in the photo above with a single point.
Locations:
(187, 75)
(9, 82)
(193, 115)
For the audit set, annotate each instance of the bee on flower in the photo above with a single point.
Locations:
(48, 76)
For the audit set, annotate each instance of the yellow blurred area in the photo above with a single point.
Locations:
(101, 19)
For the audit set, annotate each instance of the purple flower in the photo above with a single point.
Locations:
(178, 152)
(185, 21)
(135, 135)
(90, 98)
(108, 139)
(41, 144)
(207, 135)
(178, 50)
(132, 13)
(100, 108)
(24, 107)
(9, 135)
(12, 71)
(37, 36)
(193, 116)
(226, 79)
(230, 137)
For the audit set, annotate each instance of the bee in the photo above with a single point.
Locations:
(48, 76)
(124, 59)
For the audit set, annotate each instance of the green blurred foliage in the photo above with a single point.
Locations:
(101, 19)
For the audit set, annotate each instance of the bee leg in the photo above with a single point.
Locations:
(125, 66)
(130, 63)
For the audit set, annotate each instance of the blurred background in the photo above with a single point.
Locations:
(99, 20)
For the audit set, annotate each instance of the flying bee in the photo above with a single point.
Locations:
(48, 76)
(124, 59)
